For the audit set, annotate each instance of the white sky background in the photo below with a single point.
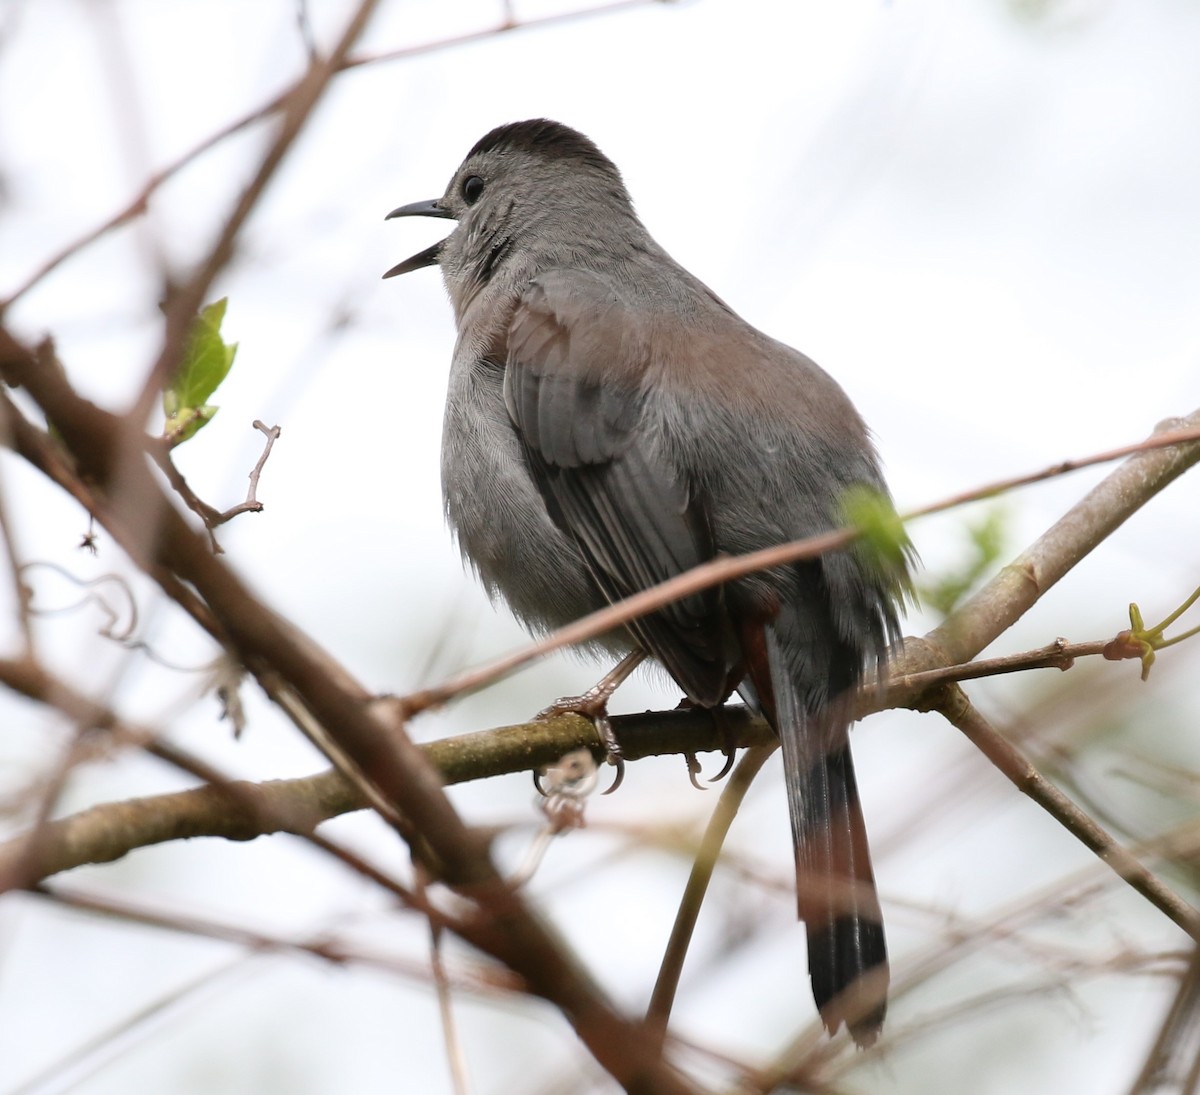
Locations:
(985, 226)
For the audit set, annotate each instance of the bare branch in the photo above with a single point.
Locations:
(386, 758)
(667, 984)
(297, 109)
(951, 702)
(252, 504)
(1059, 654)
(243, 810)
(211, 516)
(1000, 603)
(1173, 1063)
(328, 947)
(398, 773)
(139, 203)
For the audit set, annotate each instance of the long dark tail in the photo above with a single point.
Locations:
(835, 885)
(837, 900)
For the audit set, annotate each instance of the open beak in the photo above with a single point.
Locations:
(429, 256)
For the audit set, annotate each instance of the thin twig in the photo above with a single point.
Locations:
(952, 703)
(140, 202)
(296, 111)
(82, 1061)
(1059, 654)
(212, 517)
(324, 946)
(662, 999)
(252, 504)
(20, 591)
(726, 569)
(1173, 1063)
(508, 23)
(455, 1054)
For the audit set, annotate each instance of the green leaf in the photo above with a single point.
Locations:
(882, 532)
(187, 422)
(1140, 641)
(207, 359)
(987, 542)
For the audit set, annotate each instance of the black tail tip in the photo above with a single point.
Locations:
(847, 962)
(864, 1029)
(861, 1007)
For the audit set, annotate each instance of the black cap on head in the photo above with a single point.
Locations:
(544, 138)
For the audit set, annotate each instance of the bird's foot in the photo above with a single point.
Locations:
(728, 746)
(593, 705)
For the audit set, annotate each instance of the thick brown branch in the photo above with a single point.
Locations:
(243, 810)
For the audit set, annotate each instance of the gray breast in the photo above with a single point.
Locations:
(496, 511)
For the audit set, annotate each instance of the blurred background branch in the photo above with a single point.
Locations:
(971, 215)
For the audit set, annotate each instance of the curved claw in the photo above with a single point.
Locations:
(618, 762)
(730, 757)
(693, 767)
(728, 744)
(612, 747)
(593, 705)
(537, 783)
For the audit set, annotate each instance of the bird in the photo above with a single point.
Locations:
(610, 423)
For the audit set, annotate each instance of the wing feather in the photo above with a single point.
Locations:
(576, 368)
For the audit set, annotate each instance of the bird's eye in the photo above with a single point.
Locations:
(472, 187)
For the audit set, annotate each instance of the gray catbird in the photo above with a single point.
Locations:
(610, 423)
